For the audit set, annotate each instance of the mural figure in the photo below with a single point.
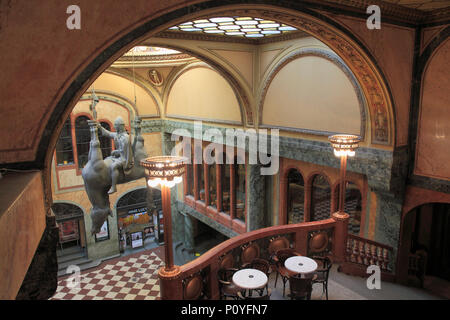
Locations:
(101, 175)
(155, 77)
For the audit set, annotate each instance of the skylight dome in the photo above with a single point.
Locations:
(248, 27)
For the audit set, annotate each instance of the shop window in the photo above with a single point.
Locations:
(83, 139)
(295, 197)
(189, 170)
(105, 142)
(352, 206)
(190, 179)
(240, 190)
(320, 199)
(200, 177)
(134, 216)
(64, 147)
(68, 217)
(225, 180)
(212, 185)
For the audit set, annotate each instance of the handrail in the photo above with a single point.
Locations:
(365, 252)
(202, 261)
(304, 238)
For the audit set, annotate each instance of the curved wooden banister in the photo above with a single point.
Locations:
(206, 267)
(205, 259)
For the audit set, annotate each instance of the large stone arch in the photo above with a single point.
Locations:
(339, 39)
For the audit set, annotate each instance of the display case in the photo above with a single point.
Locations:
(158, 221)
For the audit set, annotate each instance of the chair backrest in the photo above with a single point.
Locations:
(278, 243)
(326, 263)
(283, 254)
(226, 274)
(300, 287)
(249, 252)
(260, 264)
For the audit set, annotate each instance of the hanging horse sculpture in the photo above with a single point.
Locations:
(101, 175)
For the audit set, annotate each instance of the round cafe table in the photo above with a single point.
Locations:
(301, 265)
(250, 279)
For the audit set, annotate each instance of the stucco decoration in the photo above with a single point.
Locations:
(363, 67)
(99, 173)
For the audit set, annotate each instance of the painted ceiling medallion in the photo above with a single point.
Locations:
(246, 27)
(155, 77)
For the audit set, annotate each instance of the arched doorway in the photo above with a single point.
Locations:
(139, 226)
(72, 235)
(320, 198)
(295, 197)
(426, 243)
(332, 33)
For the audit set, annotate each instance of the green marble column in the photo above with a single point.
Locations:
(255, 197)
(189, 230)
(388, 221)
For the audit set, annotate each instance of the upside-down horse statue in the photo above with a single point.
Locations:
(102, 175)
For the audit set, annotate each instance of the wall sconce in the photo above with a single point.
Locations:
(344, 145)
(165, 171)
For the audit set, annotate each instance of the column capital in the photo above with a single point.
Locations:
(340, 216)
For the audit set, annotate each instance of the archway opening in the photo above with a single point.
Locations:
(296, 197)
(426, 240)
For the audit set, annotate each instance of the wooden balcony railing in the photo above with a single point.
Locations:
(367, 252)
(361, 253)
(198, 278)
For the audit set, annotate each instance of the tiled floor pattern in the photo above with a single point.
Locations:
(133, 278)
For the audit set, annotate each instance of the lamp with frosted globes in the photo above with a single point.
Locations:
(344, 145)
(165, 171)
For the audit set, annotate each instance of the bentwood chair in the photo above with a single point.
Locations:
(322, 273)
(255, 298)
(261, 265)
(300, 288)
(227, 288)
(279, 258)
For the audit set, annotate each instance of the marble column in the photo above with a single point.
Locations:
(388, 221)
(189, 230)
(255, 189)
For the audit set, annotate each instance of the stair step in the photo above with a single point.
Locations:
(71, 257)
(79, 262)
(84, 266)
(68, 251)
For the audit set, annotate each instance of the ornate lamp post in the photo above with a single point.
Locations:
(165, 171)
(344, 146)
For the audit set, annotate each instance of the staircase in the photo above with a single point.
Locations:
(73, 256)
(182, 254)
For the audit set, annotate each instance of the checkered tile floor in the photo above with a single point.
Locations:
(129, 278)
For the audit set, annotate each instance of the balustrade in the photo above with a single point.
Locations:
(367, 252)
(175, 286)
